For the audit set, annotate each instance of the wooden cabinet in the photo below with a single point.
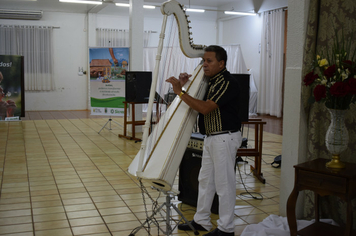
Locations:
(314, 176)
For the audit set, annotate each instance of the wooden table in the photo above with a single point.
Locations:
(314, 176)
(134, 122)
(257, 150)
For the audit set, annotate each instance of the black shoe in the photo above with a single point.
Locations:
(196, 226)
(218, 232)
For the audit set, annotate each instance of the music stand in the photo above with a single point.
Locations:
(168, 205)
(109, 122)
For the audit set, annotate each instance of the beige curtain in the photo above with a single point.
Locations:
(35, 43)
(324, 17)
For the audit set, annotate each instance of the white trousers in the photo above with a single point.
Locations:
(217, 174)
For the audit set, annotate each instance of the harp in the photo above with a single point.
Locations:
(159, 163)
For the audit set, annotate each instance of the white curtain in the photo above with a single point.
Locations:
(176, 62)
(272, 43)
(112, 38)
(35, 44)
(117, 37)
(235, 61)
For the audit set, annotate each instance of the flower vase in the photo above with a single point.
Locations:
(337, 138)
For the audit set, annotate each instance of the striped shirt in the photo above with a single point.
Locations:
(223, 89)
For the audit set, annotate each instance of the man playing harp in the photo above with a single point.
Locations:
(220, 123)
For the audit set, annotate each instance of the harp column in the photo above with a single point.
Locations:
(136, 46)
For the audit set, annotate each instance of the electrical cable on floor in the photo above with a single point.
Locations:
(247, 192)
(181, 208)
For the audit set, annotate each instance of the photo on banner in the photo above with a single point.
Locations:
(12, 103)
(108, 68)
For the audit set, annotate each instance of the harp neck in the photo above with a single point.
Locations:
(186, 43)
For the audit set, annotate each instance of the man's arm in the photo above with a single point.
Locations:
(203, 107)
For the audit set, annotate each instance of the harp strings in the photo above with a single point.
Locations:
(172, 63)
(171, 41)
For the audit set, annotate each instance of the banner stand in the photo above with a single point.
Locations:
(109, 122)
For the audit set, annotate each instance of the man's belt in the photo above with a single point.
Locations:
(223, 132)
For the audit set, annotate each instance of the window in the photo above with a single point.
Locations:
(35, 44)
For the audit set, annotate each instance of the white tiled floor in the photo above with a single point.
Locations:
(60, 177)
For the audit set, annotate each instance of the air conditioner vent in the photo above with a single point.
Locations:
(20, 14)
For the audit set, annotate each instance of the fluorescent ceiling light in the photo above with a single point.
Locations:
(195, 10)
(80, 1)
(149, 7)
(239, 13)
(128, 5)
(122, 4)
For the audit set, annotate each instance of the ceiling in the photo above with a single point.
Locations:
(55, 5)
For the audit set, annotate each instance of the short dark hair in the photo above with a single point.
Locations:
(220, 52)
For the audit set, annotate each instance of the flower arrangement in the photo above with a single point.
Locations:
(333, 78)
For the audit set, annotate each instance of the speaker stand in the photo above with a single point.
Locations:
(109, 122)
(167, 205)
(239, 159)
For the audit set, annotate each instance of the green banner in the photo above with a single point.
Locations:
(11, 87)
(108, 68)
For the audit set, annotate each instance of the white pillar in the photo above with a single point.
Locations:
(91, 39)
(136, 48)
(294, 144)
(136, 35)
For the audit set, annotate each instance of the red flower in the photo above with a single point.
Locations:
(330, 71)
(351, 86)
(319, 92)
(309, 78)
(339, 89)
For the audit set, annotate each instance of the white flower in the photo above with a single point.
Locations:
(324, 82)
(344, 76)
(8, 94)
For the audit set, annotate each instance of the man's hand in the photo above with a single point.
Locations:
(183, 78)
(176, 84)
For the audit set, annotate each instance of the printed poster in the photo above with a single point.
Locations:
(12, 105)
(108, 68)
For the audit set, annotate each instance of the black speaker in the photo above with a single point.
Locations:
(244, 82)
(188, 179)
(138, 86)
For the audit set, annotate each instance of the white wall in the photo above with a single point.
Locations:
(70, 52)
(71, 45)
(245, 31)
(294, 144)
(203, 29)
